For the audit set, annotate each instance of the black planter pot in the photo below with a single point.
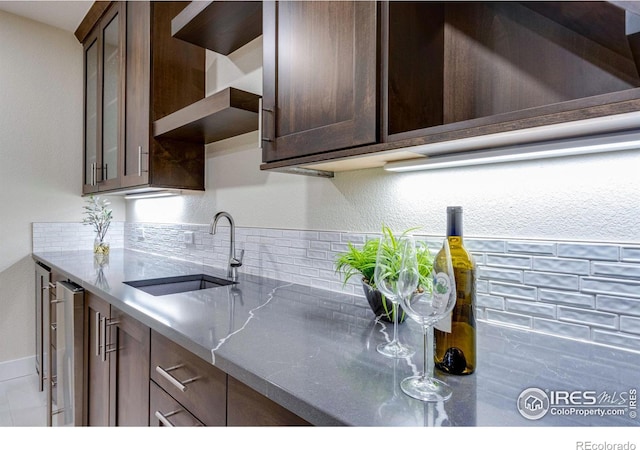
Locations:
(380, 305)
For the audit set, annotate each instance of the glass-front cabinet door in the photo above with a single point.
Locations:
(90, 115)
(104, 105)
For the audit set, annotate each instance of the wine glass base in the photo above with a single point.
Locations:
(395, 350)
(426, 389)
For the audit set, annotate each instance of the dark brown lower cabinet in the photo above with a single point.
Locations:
(194, 383)
(246, 407)
(117, 370)
(165, 411)
(136, 377)
(187, 391)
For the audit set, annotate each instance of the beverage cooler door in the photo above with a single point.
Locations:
(65, 364)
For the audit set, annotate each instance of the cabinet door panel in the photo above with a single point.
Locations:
(111, 87)
(136, 155)
(91, 87)
(319, 77)
(97, 369)
(129, 370)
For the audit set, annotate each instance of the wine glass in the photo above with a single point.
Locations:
(434, 299)
(396, 276)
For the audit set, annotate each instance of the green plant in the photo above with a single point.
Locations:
(363, 261)
(98, 215)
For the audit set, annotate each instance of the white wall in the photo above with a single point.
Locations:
(40, 160)
(591, 198)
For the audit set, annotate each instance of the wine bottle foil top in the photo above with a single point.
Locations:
(454, 220)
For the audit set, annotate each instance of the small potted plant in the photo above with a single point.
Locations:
(362, 262)
(99, 215)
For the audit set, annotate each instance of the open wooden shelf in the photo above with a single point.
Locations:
(220, 26)
(225, 114)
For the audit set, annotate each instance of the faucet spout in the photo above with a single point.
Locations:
(234, 262)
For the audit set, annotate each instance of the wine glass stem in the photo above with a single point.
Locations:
(427, 368)
(395, 322)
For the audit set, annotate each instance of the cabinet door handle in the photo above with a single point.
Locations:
(103, 331)
(260, 119)
(163, 418)
(103, 337)
(140, 153)
(98, 334)
(181, 385)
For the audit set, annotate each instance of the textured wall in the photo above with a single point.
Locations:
(40, 159)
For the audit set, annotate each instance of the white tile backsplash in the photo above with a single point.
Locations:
(587, 291)
(59, 236)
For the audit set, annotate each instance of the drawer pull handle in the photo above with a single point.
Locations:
(164, 417)
(173, 380)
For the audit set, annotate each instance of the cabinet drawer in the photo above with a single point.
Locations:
(165, 411)
(193, 382)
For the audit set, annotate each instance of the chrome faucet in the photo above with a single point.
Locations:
(234, 262)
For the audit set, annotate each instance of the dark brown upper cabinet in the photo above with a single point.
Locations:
(319, 77)
(144, 76)
(104, 95)
(444, 71)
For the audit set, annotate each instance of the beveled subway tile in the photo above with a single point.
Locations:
(531, 308)
(561, 328)
(588, 317)
(552, 280)
(508, 261)
(621, 305)
(589, 251)
(561, 265)
(518, 320)
(611, 286)
(539, 248)
(618, 270)
(566, 298)
(630, 254)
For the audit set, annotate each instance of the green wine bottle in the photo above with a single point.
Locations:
(455, 335)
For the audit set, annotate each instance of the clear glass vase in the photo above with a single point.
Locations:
(100, 250)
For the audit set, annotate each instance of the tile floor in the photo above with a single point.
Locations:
(21, 404)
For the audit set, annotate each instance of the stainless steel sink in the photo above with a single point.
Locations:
(175, 285)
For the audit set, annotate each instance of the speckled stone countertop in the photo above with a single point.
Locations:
(314, 352)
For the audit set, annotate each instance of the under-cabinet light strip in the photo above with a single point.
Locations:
(153, 194)
(513, 145)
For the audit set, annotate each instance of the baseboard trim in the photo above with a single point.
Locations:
(17, 368)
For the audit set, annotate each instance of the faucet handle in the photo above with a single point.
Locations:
(237, 262)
